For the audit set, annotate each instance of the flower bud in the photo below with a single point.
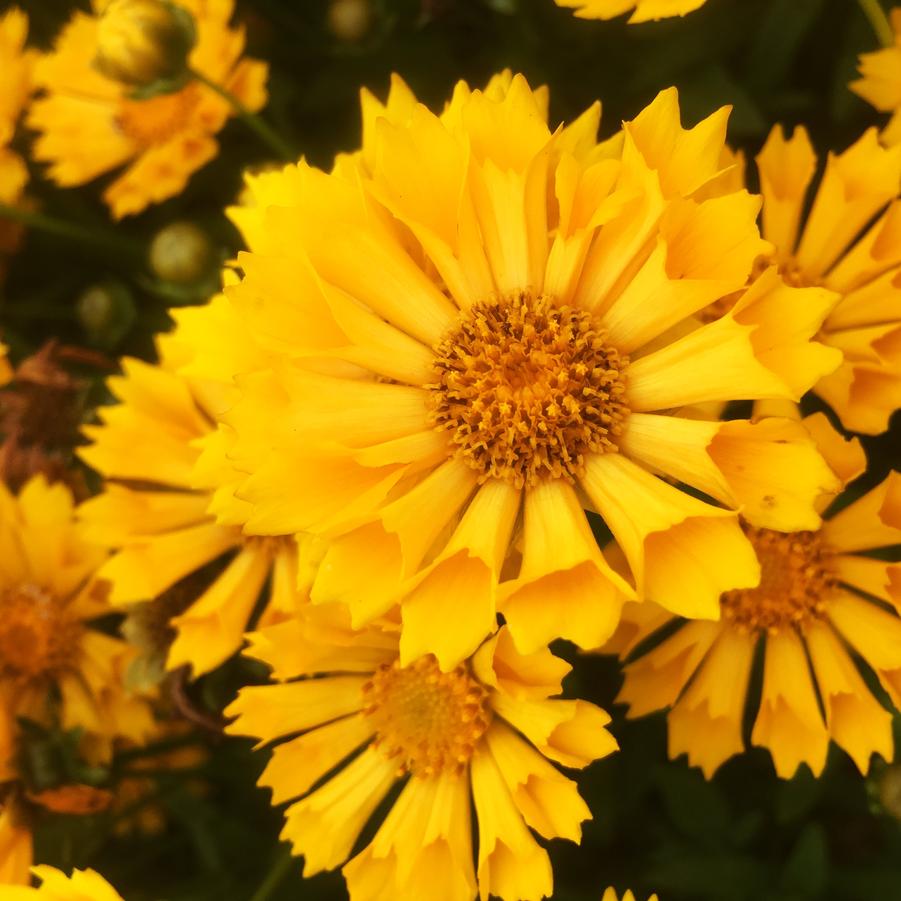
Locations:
(106, 312)
(141, 42)
(349, 20)
(181, 253)
(889, 790)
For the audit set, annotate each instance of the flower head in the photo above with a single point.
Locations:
(843, 233)
(473, 339)
(167, 478)
(880, 81)
(90, 124)
(483, 732)
(822, 597)
(140, 42)
(55, 667)
(642, 10)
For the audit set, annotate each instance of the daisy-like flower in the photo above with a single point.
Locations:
(17, 65)
(166, 478)
(483, 732)
(822, 597)
(90, 124)
(880, 81)
(82, 885)
(476, 338)
(54, 667)
(844, 234)
(642, 10)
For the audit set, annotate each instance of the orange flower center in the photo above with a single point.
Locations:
(37, 638)
(796, 577)
(527, 389)
(159, 118)
(428, 720)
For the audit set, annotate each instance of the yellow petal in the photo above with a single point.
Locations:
(565, 588)
(499, 664)
(789, 722)
(683, 553)
(870, 522)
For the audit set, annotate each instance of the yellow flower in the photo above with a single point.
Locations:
(140, 42)
(822, 596)
(880, 81)
(82, 885)
(16, 847)
(16, 64)
(642, 10)
(477, 335)
(484, 732)
(167, 478)
(850, 243)
(54, 667)
(89, 125)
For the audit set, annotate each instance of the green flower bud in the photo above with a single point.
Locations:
(181, 253)
(349, 20)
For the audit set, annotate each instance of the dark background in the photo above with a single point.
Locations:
(659, 826)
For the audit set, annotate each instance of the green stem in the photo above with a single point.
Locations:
(106, 240)
(877, 18)
(274, 877)
(264, 131)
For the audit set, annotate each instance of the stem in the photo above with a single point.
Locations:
(274, 878)
(874, 12)
(264, 131)
(106, 240)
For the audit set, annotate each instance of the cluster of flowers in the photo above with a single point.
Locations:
(485, 384)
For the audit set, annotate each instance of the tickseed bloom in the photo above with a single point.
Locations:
(82, 885)
(849, 242)
(91, 124)
(54, 667)
(17, 65)
(880, 81)
(821, 597)
(476, 338)
(642, 10)
(166, 478)
(483, 732)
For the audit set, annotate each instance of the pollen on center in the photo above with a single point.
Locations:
(528, 388)
(796, 577)
(429, 721)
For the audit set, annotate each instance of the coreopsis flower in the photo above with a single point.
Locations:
(484, 732)
(82, 885)
(54, 666)
(822, 598)
(880, 81)
(642, 10)
(17, 65)
(166, 479)
(91, 124)
(844, 234)
(476, 338)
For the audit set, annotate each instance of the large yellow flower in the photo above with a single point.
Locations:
(821, 598)
(477, 330)
(89, 124)
(167, 476)
(82, 885)
(642, 10)
(484, 732)
(880, 81)
(849, 241)
(54, 667)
